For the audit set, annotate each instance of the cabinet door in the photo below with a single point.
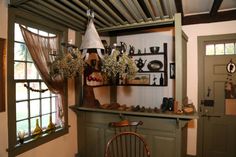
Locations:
(93, 141)
(180, 61)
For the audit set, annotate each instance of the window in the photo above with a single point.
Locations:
(33, 101)
(221, 48)
(30, 104)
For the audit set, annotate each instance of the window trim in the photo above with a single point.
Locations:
(18, 16)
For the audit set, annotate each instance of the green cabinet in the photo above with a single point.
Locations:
(165, 134)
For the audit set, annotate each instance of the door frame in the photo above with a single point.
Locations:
(201, 53)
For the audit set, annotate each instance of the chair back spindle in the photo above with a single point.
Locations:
(127, 144)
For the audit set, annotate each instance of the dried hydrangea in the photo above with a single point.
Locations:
(68, 65)
(117, 63)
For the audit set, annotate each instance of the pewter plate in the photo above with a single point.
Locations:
(155, 65)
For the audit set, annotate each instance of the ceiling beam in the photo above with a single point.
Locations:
(131, 10)
(215, 7)
(160, 9)
(169, 9)
(18, 2)
(118, 5)
(62, 14)
(97, 9)
(84, 14)
(141, 12)
(207, 18)
(149, 7)
(138, 25)
(111, 11)
(179, 7)
(47, 16)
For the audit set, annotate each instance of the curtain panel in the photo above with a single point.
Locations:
(43, 51)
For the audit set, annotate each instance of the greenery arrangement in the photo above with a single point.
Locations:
(68, 65)
(72, 63)
(117, 63)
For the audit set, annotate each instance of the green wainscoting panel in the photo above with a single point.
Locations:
(165, 135)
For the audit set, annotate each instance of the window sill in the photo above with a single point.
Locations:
(32, 143)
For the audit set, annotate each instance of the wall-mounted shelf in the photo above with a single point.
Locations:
(155, 69)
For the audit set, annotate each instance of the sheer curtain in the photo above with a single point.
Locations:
(43, 51)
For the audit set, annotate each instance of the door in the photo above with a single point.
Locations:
(217, 123)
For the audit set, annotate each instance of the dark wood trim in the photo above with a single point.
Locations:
(215, 7)
(179, 6)
(207, 18)
(2, 73)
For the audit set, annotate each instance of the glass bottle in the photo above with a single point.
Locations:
(51, 126)
(37, 131)
(161, 80)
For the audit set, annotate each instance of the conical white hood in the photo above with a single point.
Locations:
(91, 38)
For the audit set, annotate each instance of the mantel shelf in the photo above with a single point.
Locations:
(145, 114)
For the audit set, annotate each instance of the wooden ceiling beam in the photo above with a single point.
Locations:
(179, 7)
(111, 11)
(160, 10)
(215, 7)
(131, 11)
(120, 8)
(149, 7)
(18, 2)
(47, 16)
(97, 10)
(141, 12)
(169, 9)
(84, 14)
(207, 18)
(62, 13)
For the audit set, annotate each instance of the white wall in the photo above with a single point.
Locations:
(193, 31)
(65, 146)
(151, 96)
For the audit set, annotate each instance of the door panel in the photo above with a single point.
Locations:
(219, 129)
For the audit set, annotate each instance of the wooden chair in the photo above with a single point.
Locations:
(125, 125)
(127, 144)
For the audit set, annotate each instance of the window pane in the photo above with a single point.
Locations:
(45, 121)
(20, 51)
(219, 49)
(43, 33)
(45, 106)
(54, 104)
(54, 118)
(22, 126)
(21, 110)
(28, 56)
(46, 93)
(21, 92)
(18, 36)
(210, 50)
(234, 48)
(32, 72)
(51, 35)
(34, 85)
(229, 48)
(33, 30)
(19, 70)
(34, 108)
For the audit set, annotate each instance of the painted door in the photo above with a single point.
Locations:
(218, 124)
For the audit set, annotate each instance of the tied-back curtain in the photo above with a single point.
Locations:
(43, 51)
